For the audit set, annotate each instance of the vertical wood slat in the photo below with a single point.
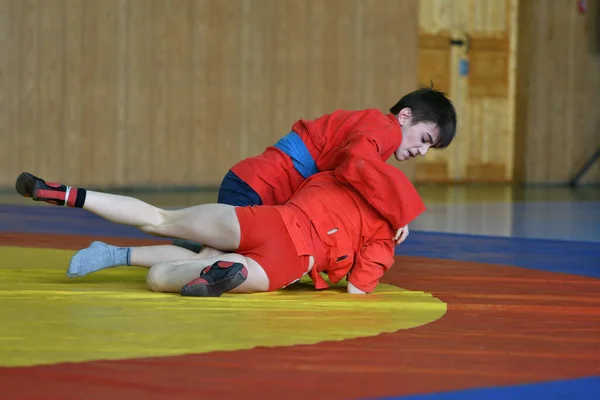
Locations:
(72, 107)
(297, 56)
(136, 92)
(513, 30)
(105, 91)
(158, 142)
(199, 133)
(225, 101)
(50, 85)
(28, 77)
(140, 89)
(7, 101)
(587, 39)
(558, 123)
(99, 108)
(89, 81)
(179, 27)
(122, 92)
(280, 95)
(257, 79)
(386, 82)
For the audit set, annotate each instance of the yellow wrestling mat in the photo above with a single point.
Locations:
(47, 318)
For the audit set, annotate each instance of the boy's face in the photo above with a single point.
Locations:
(417, 138)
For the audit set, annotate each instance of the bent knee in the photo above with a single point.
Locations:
(159, 224)
(158, 278)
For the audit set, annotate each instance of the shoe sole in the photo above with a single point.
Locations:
(25, 184)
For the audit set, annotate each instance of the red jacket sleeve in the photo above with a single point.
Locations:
(359, 163)
(373, 260)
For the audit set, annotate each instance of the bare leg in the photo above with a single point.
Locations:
(208, 252)
(171, 277)
(100, 256)
(213, 224)
(147, 256)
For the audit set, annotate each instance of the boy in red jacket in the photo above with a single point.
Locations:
(348, 143)
(326, 227)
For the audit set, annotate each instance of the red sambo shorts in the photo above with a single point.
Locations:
(265, 239)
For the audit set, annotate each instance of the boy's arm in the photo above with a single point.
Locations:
(373, 260)
(359, 163)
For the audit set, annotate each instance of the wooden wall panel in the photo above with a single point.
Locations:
(484, 98)
(8, 108)
(100, 55)
(71, 136)
(385, 82)
(488, 68)
(434, 58)
(49, 84)
(558, 124)
(173, 92)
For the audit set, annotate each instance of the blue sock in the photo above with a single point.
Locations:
(96, 257)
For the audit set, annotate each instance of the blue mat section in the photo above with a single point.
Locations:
(580, 258)
(572, 221)
(572, 389)
(62, 220)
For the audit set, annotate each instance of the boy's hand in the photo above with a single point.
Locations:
(354, 290)
(401, 235)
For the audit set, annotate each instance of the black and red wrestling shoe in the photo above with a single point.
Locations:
(216, 279)
(29, 185)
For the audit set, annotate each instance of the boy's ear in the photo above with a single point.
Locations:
(404, 115)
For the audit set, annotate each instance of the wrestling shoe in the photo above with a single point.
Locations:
(216, 279)
(29, 185)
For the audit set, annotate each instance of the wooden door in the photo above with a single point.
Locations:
(477, 72)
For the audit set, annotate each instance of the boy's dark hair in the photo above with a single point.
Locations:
(430, 105)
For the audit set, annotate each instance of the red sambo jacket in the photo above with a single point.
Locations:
(357, 238)
(355, 145)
